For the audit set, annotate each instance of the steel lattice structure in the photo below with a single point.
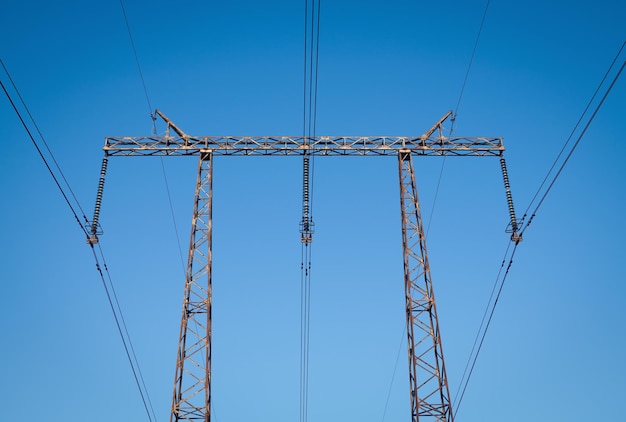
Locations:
(429, 392)
(427, 370)
(192, 383)
(297, 145)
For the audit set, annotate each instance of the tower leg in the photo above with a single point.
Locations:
(430, 396)
(192, 383)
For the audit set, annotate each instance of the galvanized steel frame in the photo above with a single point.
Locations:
(427, 371)
(191, 400)
(297, 145)
(430, 397)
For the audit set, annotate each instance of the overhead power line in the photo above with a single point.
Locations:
(488, 315)
(309, 123)
(456, 110)
(40, 152)
(443, 163)
(113, 302)
(143, 81)
(469, 66)
(508, 259)
(122, 329)
(580, 136)
(393, 375)
(153, 117)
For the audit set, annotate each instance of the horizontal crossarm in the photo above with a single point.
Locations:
(298, 145)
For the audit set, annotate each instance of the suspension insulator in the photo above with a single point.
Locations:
(306, 224)
(95, 226)
(514, 224)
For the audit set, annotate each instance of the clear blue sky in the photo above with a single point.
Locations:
(555, 350)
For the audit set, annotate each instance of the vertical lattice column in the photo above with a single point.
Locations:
(430, 397)
(192, 384)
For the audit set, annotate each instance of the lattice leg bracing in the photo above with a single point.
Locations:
(192, 384)
(430, 396)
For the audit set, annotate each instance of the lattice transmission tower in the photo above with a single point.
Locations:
(429, 391)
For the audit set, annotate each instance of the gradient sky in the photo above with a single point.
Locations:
(555, 349)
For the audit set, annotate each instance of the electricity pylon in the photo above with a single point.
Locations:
(429, 391)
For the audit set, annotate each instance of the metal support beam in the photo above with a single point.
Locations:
(430, 396)
(191, 399)
(427, 145)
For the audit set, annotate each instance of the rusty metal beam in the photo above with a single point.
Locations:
(298, 145)
(191, 399)
(430, 395)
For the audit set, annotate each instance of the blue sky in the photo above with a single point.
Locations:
(556, 345)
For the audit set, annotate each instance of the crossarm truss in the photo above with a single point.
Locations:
(297, 145)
